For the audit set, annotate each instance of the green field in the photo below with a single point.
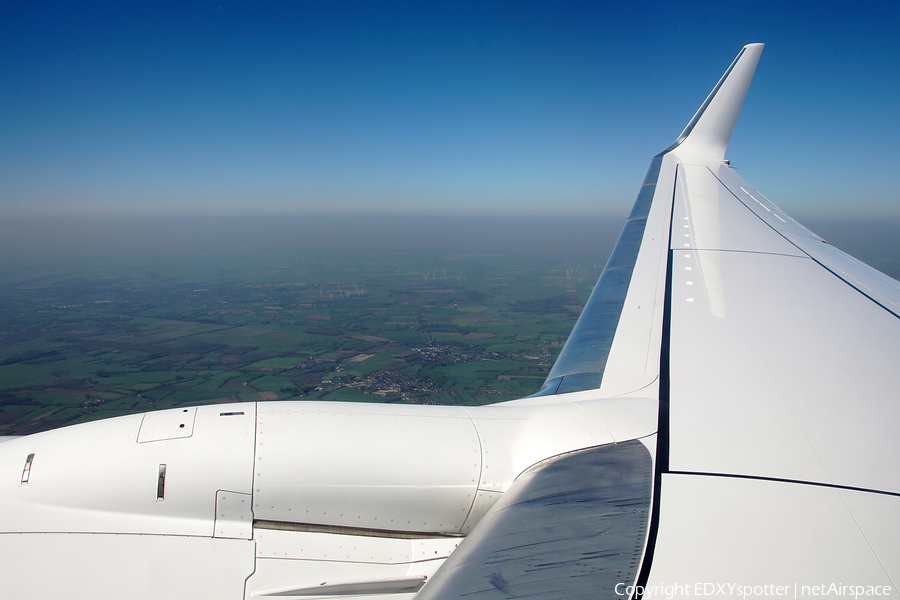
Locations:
(110, 337)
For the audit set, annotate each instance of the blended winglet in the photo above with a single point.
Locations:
(706, 137)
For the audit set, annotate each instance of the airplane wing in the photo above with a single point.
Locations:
(776, 461)
(719, 423)
(772, 358)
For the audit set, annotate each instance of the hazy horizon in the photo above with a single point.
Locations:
(68, 241)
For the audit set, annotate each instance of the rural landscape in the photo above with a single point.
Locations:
(112, 336)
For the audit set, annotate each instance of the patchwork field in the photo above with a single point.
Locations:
(109, 337)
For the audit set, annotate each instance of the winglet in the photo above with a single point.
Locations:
(706, 136)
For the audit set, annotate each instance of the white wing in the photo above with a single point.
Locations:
(777, 462)
(768, 356)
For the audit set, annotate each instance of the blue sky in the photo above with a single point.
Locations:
(356, 108)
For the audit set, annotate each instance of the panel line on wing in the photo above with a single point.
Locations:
(786, 480)
(343, 530)
(855, 284)
(733, 251)
(462, 528)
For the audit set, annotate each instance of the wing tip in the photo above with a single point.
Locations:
(707, 134)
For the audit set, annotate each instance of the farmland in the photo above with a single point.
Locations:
(112, 335)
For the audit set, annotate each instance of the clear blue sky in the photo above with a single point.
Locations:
(427, 107)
